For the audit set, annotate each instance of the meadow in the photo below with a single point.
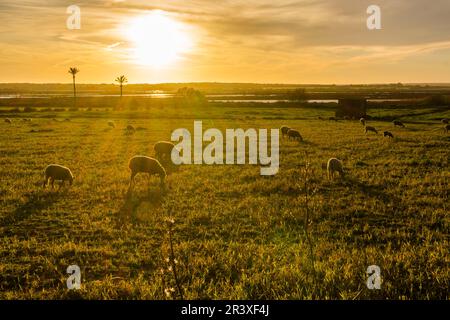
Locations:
(235, 234)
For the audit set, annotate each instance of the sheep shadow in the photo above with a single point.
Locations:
(36, 202)
(374, 191)
(134, 203)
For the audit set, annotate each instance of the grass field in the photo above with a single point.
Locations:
(236, 234)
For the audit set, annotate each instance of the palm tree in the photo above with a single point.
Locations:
(121, 80)
(73, 71)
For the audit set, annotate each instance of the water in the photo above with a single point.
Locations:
(235, 98)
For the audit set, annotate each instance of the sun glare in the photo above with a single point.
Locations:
(157, 39)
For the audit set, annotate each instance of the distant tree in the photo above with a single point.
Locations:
(73, 71)
(190, 95)
(297, 94)
(121, 80)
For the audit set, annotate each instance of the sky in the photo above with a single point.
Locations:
(262, 41)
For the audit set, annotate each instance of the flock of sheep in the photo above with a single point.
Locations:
(335, 165)
(137, 164)
(163, 150)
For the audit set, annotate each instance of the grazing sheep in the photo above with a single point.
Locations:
(388, 134)
(148, 165)
(363, 121)
(447, 128)
(130, 128)
(369, 128)
(398, 123)
(320, 118)
(284, 130)
(332, 119)
(346, 118)
(8, 121)
(163, 149)
(334, 165)
(294, 134)
(57, 172)
(111, 124)
(444, 121)
(67, 120)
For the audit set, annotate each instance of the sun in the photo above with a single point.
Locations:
(157, 40)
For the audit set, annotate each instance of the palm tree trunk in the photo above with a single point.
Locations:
(121, 90)
(74, 89)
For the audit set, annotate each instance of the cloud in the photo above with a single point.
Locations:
(276, 37)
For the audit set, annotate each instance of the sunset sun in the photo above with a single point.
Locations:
(156, 39)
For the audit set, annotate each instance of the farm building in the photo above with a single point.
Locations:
(352, 108)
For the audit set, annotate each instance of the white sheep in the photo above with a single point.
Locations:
(111, 124)
(334, 165)
(143, 164)
(294, 134)
(369, 128)
(163, 149)
(130, 128)
(8, 121)
(363, 121)
(57, 172)
(284, 130)
(444, 121)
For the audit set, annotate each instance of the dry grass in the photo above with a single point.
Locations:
(237, 235)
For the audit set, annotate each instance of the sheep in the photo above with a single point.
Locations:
(111, 124)
(143, 164)
(284, 130)
(130, 128)
(363, 121)
(8, 121)
(320, 118)
(332, 119)
(57, 172)
(446, 128)
(334, 165)
(398, 123)
(388, 134)
(369, 128)
(67, 120)
(163, 149)
(294, 134)
(444, 121)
